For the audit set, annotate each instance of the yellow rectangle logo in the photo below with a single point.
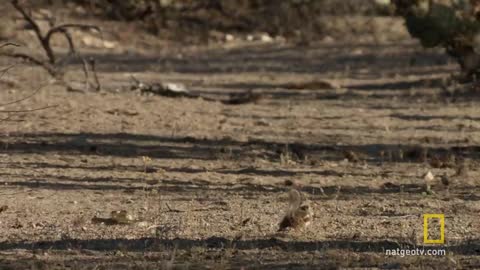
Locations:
(441, 218)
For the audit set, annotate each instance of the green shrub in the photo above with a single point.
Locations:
(453, 25)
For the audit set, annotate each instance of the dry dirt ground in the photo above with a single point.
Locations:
(213, 191)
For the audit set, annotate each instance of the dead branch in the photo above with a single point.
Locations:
(63, 29)
(9, 44)
(5, 70)
(178, 90)
(6, 118)
(95, 77)
(38, 32)
(85, 71)
(69, 39)
(24, 98)
(46, 65)
(51, 65)
(170, 209)
(28, 110)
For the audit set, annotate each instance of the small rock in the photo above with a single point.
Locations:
(174, 87)
(229, 37)
(265, 38)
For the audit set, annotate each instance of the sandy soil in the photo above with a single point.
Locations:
(213, 191)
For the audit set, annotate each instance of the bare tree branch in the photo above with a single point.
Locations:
(9, 44)
(46, 65)
(85, 71)
(95, 77)
(5, 70)
(69, 39)
(24, 98)
(54, 67)
(44, 42)
(63, 29)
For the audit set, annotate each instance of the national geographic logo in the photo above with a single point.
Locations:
(426, 230)
(433, 233)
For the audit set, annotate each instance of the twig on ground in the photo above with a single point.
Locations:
(28, 110)
(173, 210)
(6, 118)
(169, 90)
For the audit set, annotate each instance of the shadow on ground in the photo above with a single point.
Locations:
(471, 247)
(129, 145)
(160, 147)
(281, 58)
